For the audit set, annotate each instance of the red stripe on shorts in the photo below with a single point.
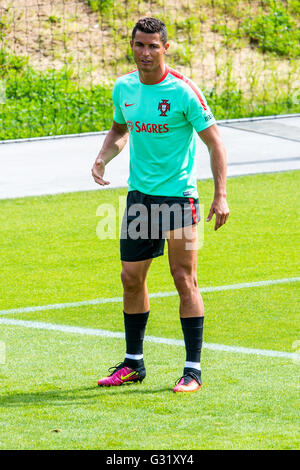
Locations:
(194, 213)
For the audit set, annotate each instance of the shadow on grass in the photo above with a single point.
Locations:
(78, 396)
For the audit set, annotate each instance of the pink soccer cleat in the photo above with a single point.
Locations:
(189, 382)
(122, 374)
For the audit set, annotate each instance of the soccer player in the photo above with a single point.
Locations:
(161, 111)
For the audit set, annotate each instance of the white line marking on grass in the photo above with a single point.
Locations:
(152, 339)
(155, 295)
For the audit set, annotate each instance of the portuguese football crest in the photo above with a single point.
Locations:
(130, 125)
(163, 107)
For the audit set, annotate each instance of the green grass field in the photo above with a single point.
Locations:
(50, 254)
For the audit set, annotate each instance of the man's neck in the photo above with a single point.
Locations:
(153, 77)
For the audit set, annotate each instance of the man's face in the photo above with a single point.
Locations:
(148, 51)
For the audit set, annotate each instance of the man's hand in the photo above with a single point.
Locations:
(113, 143)
(98, 172)
(213, 140)
(220, 208)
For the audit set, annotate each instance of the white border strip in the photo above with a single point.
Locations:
(152, 339)
(258, 118)
(154, 295)
(52, 137)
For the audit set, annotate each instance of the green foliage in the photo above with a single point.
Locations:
(3, 25)
(233, 103)
(274, 29)
(49, 103)
(275, 32)
(103, 6)
(36, 103)
(10, 63)
(54, 19)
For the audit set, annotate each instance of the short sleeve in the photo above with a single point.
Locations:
(197, 110)
(118, 115)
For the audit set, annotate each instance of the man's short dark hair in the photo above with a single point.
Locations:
(151, 25)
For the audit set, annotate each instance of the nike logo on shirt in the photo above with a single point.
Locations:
(131, 104)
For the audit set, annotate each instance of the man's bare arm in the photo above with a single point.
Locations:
(213, 140)
(113, 144)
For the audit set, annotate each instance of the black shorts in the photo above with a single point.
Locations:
(147, 219)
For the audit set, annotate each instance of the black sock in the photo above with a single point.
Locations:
(192, 328)
(135, 326)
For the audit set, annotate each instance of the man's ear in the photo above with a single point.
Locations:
(131, 44)
(166, 46)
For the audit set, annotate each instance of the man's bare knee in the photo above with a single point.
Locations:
(184, 281)
(132, 281)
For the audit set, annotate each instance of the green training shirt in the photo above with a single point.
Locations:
(162, 120)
